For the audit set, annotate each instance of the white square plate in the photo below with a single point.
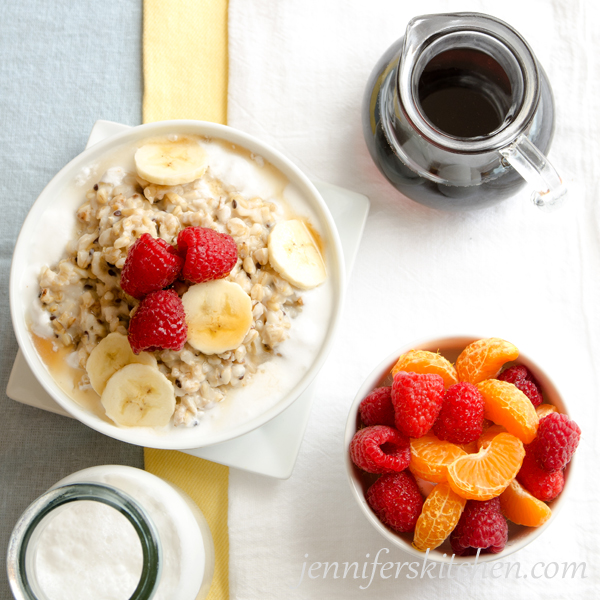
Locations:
(273, 448)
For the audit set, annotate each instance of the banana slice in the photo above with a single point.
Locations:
(139, 396)
(111, 355)
(171, 163)
(294, 254)
(218, 315)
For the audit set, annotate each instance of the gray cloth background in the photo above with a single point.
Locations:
(64, 64)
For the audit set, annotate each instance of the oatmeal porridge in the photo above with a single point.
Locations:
(277, 278)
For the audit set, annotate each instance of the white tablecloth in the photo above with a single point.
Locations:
(297, 73)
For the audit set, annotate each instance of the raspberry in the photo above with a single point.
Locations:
(396, 500)
(417, 401)
(461, 418)
(208, 254)
(539, 483)
(557, 440)
(513, 374)
(377, 408)
(158, 323)
(522, 378)
(531, 390)
(380, 449)
(481, 526)
(151, 265)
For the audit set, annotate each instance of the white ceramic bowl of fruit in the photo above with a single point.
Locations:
(121, 188)
(463, 491)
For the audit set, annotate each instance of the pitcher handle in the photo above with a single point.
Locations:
(550, 191)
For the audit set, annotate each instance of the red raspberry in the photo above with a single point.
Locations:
(541, 484)
(158, 323)
(481, 526)
(515, 373)
(377, 408)
(417, 401)
(531, 390)
(522, 378)
(151, 265)
(380, 449)
(557, 440)
(396, 500)
(461, 418)
(208, 253)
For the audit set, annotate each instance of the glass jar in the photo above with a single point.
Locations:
(148, 540)
(458, 113)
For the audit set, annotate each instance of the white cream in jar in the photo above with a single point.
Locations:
(95, 547)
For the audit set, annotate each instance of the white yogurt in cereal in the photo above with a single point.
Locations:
(279, 374)
(242, 175)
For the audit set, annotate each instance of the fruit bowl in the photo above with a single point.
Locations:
(50, 224)
(360, 481)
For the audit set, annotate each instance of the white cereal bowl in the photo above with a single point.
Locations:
(518, 536)
(49, 225)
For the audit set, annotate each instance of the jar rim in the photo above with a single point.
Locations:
(75, 492)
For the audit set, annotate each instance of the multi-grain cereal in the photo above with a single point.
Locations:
(83, 296)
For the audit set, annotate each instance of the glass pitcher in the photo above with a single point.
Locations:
(459, 114)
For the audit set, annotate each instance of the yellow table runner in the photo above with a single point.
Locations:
(185, 77)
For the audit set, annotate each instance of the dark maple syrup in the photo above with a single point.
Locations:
(464, 93)
(475, 73)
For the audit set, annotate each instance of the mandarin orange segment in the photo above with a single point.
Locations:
(507, 405)
(488, 473)
(430, 457)
(488, 435)
(543, 410)
(484, 359)
(520, 507)
(439, 516)
(425, 362)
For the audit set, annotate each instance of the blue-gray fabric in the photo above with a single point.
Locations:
(63, 65)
